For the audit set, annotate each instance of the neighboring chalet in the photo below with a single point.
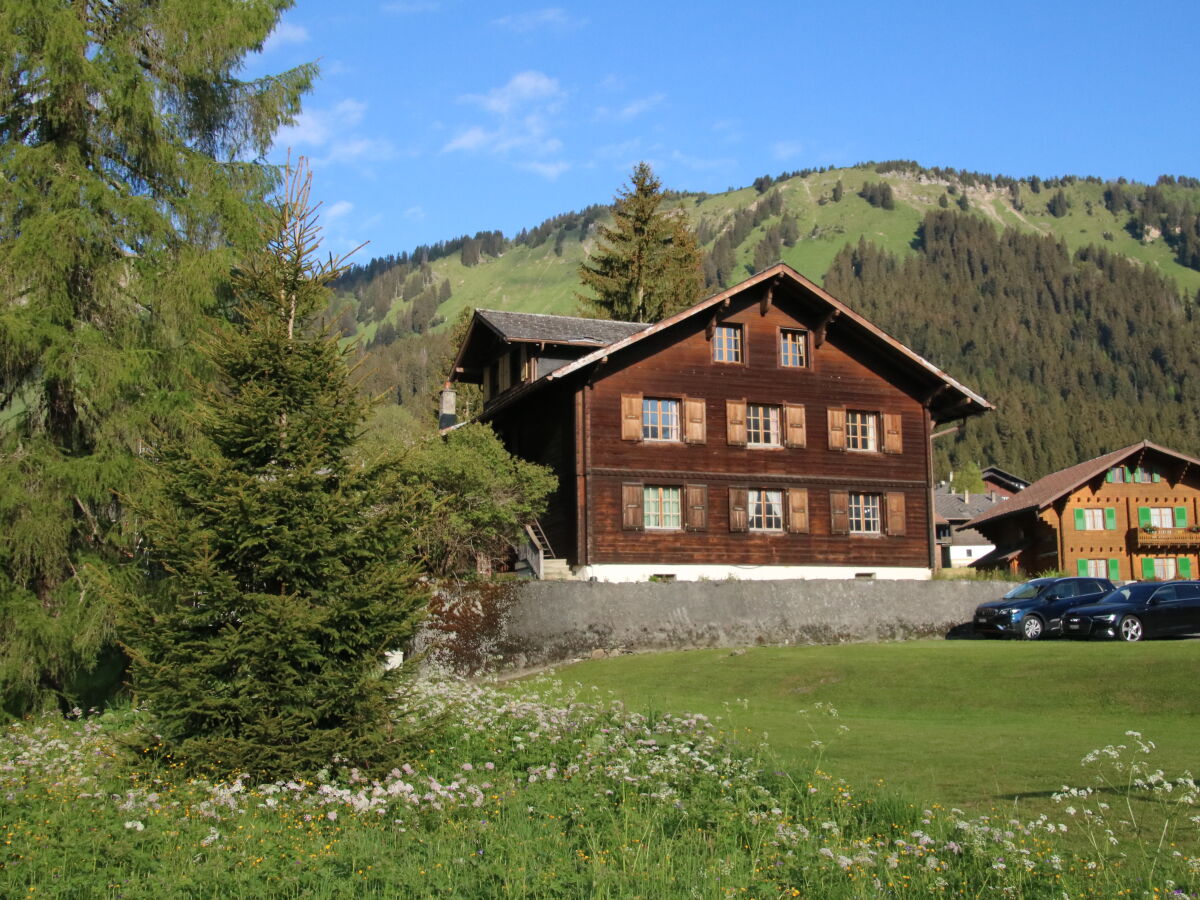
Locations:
(766, 432)
(1001, 484)
(959, 546)
(1130, 514)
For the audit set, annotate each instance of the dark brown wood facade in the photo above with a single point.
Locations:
(588, 426)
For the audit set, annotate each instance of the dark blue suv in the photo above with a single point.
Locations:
(1035, 609)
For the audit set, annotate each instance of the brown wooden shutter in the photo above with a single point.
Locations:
(694, 426)
(697, 507)
(631, 417)
(839, 512)
(895, 514)
(631, 507)
(893, 439)
(735, 422)
(795, 434)
(837, 428)
(797, 522)
(738, 501)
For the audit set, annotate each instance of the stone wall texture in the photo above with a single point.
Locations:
(546, 622)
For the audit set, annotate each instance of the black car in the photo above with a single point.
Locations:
(1141, 610)
(1035, 608)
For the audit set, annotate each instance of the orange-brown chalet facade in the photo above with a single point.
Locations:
(766, 432)
(1133, 514)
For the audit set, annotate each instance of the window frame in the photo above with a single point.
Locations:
(854, 430)
(721, 347)
(771, 415)
(676, 433)
(758, 502)
(1159, 513)
(1093, 518)
(786, 348)
(654, 507)
(869, 510)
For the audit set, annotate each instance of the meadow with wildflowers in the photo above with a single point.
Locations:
(550, 790)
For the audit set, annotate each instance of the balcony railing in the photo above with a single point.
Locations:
(1167, 537)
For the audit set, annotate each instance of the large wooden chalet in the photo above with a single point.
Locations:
(766, 432)
(1130, 514)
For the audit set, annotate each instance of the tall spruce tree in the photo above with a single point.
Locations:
(123, 185)
(648, 265)
(282, 561)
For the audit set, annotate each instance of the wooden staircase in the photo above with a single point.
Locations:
(552, 567)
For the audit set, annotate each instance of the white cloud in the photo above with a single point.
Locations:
(637, 107)
(285, 33)
(553, 17)
(414, 214)
(523, 112)
(548, 170)
(522, 89)
(329, 136)
(338, 210)
(787, 149)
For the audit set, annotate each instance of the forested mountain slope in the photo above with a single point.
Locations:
(1067, 302)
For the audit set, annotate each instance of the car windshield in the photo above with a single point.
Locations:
(1129, 593)
(1026, 591)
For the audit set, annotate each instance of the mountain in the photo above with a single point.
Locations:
(1093, 281)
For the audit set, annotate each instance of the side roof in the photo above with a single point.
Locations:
(517, 327)
(1052, 487)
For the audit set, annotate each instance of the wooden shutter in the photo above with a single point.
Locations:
(895, 514)
(1143, 517)
(795, 434)
(839, 512)
(1081, 567)
(697, 507)
(1181, 517)
(1110, 518)
(738, 501)
(837, 428)
(631, 507)
(1183, 567)
(735, 422)
(1147, 567)
(694, 427)
(797, 511)
(631, 417)
(893, 439)
(1114, 569)
(1079, 520)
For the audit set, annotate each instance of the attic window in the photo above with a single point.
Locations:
(727, 343)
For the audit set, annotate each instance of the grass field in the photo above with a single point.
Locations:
(984, 725)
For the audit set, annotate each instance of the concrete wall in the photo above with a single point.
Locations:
(539, 623)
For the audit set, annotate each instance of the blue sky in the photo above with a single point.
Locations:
(435, 118)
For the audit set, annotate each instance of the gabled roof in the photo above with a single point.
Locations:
(1014, 483)
(1047, 490)
(948, 399)
(959, 507)
(517, 327)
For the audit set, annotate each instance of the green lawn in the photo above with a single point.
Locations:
(976, 724)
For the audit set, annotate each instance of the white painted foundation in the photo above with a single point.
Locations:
(633, 573)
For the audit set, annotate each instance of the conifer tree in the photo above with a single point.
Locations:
(281, 563)
(122, 187)
(648, 266)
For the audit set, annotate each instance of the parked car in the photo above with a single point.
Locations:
(1141, 610)
(1035, 609)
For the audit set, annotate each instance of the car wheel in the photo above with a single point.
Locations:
(1032, 628)
(1130, 629)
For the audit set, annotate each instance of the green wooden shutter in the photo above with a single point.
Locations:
(1079, 520)
(1147, 568)
(1110, 518)
(1184, 567)
(1110, 476)
(1081, 566)
(1143, 517)
(1114, 569)
(1157, 478)
(1181, 517)
(1128, 475)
